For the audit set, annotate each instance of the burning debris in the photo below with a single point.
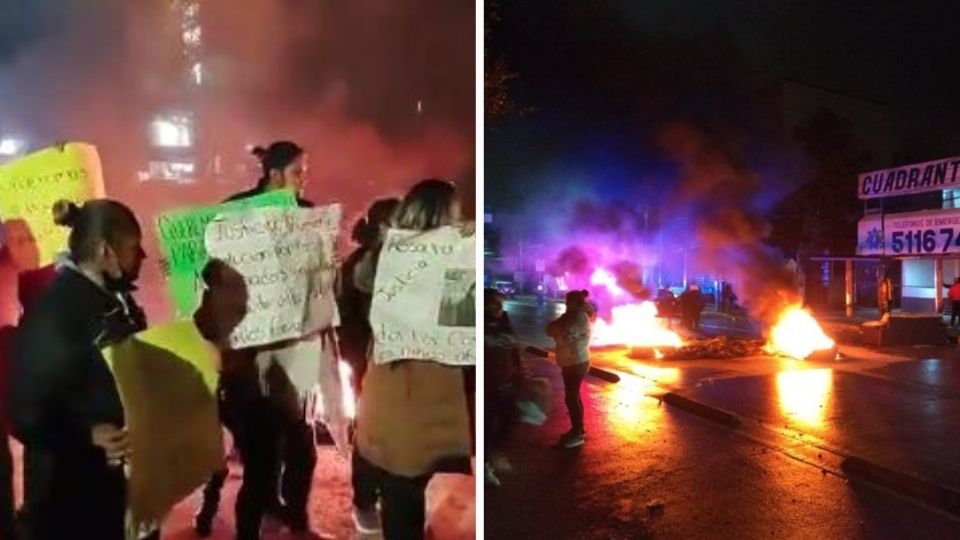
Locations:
(798, 335)
(635, 325)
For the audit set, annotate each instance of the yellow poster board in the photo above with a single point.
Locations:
(167, 378)
(29, 186)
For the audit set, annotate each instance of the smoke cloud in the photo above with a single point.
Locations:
(380, 93)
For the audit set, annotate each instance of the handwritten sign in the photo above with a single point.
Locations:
(286, 257)
(181, 235)
(31, 185)
(424, 297)
(167, 378)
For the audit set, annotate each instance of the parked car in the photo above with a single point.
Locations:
(506, 288)
(667, 305)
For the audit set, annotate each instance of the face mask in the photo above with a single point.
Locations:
(122, 284)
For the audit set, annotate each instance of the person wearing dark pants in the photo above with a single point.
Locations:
(256, 439)
(412, 415)
(572, 380)
(571, 332)
(953, 294)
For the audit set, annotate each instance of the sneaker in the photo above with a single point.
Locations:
(366, 521)
(490, 476)
(530, 413)
(572, 440)
(501, 464)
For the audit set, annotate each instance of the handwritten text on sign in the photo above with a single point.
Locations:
(31, 185)
(286, 257)
(181, 235)
(424, 298)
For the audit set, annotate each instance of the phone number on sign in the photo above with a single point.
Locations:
(925, 241)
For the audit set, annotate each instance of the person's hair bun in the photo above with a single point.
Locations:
(586, 293)
(259, 152)
(65, 213)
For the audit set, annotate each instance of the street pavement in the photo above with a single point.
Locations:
(451, 513)
(650, 470)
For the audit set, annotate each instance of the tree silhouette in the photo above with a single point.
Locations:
(497, 102)
(821, 216)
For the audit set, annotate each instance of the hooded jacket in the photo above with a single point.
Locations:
(571, 332)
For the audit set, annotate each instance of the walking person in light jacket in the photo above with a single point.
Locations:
(571, 332)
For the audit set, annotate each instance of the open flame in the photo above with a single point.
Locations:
(635, 325)
(797, 334)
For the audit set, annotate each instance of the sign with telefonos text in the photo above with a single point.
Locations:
(31, 185)
(932, 232)
(908, 179)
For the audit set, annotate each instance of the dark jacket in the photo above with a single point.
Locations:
(353, 305)
(240, 378)
(501, 359)
(60, 383)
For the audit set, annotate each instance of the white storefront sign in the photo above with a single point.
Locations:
(917, 178)
(930, 232)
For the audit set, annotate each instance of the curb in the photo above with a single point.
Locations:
(601, 374)
(604, 375)
(933, 494)
(702, 410)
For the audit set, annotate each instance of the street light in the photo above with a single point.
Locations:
(10, 146)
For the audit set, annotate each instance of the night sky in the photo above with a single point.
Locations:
(600, 76)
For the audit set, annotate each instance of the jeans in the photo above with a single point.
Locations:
(265, 438)
(572, 379)
(403, 499)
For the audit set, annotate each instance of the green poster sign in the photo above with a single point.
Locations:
(181, 235)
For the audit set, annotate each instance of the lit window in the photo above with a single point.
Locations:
(197, 72)
(172, 131)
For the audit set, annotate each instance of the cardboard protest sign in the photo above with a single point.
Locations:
(167, 378)
(181, 236)
(31, 185)
(424, 297)
(286, 256)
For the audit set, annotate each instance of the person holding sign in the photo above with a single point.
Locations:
(266, 424)
(412, 415)
(64, 406)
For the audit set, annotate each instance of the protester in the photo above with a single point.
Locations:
(503, 367)
(691, 306)
(571, 332)
(355, 335)
(64, 405)
(271, 430)
(412, 415)
(953, 294)
(30, 285)
(884, 295)
(354, 305)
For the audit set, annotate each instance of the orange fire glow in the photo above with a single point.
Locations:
(635, 325)
(797, 334)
